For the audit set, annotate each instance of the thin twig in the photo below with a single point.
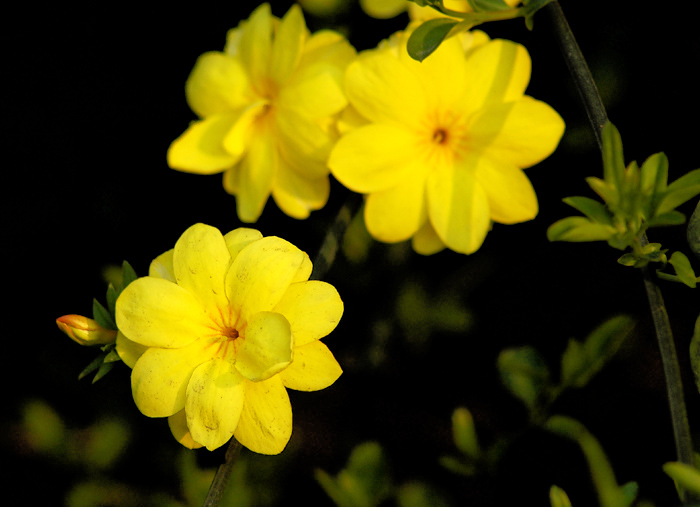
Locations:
(598, 117)
(218, 485)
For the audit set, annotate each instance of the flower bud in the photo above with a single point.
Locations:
(85, 331)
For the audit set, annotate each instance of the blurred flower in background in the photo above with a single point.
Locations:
(267, 104)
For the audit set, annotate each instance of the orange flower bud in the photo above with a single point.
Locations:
(85, 331)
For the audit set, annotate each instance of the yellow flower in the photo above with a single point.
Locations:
(442, 152)
(267, 105)
(85, 331)
(229, 323)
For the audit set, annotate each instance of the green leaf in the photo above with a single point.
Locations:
(610, 494)
(364, 482)
(458, 466)
(653, 179)
(694, 231)
(105, 368)
(695, 352)
(464, 433)
(102, 315)
(593, 209)
(605, 190)
(427, 37)
(558, 497)
(670, 218)
(580, 362)
(685, 476)
(488, 5)
(94, 365)
(629, 491)
(613, 157)
(632, 260)
(683, 189)
(112, 299)
(128, 275)
(578, 229)
(654, 173)
(525, 374)
(683, 269)
(418, 494)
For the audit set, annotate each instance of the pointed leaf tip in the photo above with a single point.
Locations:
(428, 37)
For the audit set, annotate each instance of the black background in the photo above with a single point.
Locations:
(94, 96)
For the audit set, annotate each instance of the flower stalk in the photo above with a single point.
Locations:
(218, 485)
(667, 349)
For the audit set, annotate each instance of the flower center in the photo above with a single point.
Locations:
(230, 333)
(440, 136)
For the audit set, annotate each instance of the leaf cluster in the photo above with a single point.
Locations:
(366, 481)
(525, 374)
(429, 35)
(634, 199)
(104, 316)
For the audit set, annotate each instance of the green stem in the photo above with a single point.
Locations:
(672, 372)
(579, 70)
(598, 117)
(218, 485)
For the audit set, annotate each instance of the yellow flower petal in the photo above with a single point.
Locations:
(444, 76)
(129, 351)
(497, 72)
(315, 93)
(238, 138)
(265, 425)
(287, 46)
(160, 376)
(238, 239)
(313, 309)
(179, 429)
(304, 272)
(374, 157)
(397, 213)
(260, 275)
(458, 207)
(313, 368)
(200, 148)
(523, 133)
(266, 348)
(158, 313)
(217, 83)
(255, 43)
(257, 172)
(384, 90)
(511, 196)
(201, 261)
(426, 241)
(323, 46)
(215, 397)
(162, 266)
(296, 195)
(304, 145)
